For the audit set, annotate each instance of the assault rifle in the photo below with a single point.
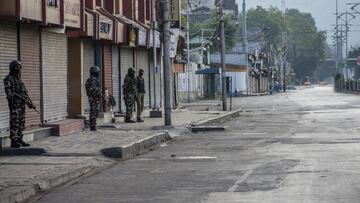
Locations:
(27, 101)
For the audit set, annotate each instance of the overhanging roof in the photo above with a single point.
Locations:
(207, 71)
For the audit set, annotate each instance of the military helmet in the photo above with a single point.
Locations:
(14, 64)
(94, 70)
(131, 70)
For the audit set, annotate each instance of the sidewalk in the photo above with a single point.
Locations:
(71, 157)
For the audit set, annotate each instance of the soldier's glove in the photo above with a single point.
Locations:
(31, 106)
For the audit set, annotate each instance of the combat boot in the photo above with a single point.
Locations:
(22, 143)
(92, 128)
(15, 143)
(139, 120)
(128, 120)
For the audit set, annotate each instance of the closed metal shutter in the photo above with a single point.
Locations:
(116, 76)
(54, 58)
(8, 52)
(126, 61)
(30, 59)
(142, 60)
(89, 60)
(107, 67)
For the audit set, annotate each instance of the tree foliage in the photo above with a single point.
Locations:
(305, 44)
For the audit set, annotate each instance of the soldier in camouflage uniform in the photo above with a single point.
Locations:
(93, 91)
(129, 88)
(17, 97)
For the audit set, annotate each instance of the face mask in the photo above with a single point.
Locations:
(141, 74)
(16, 70)
(95, 74)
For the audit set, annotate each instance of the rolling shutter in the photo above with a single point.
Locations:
(89, 60)
(143, 63)
(8, 52)
(116, 76)
(54, 57)
(30, 74)
(107, 68)
(126, 61)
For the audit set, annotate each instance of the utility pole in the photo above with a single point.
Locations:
(246, 47)
(337, 34)
(167, 62)
(188, 52)
(154, 27)
(223, 67)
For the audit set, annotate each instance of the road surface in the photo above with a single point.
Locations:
(303, 146)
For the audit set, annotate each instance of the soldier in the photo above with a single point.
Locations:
(140, 87)
(129, 94)
(93, 91)
(17, 97)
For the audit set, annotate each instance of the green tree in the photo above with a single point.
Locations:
(305, 44)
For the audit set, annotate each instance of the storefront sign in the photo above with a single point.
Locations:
(142, 37)
(72, 13)
(174, 42)
(106, 28)
(132, 37)
(157, 39)
(175, 10)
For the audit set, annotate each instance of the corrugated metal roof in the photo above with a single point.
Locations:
(231, 59)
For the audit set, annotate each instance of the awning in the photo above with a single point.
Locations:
(213, 70)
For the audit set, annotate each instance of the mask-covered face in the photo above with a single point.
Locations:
(96, 74)
(132, 74)
(16, 70)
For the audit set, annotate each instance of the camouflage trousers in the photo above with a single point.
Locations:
(17, 121)
(94, 111)
(129, 104)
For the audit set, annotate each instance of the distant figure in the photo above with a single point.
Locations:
(140, 87)
(110, 103)
(93, 91)
(17, 97)
(129, 94)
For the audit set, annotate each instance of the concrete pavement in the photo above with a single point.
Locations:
(301, 146)
(75, 156)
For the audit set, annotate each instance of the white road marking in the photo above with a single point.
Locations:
(197, 157)
(254, 133)
(241, 180)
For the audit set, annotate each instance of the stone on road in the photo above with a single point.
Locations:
(302, 146)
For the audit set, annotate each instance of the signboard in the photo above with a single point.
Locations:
(174, 42)
(72, 13)
(106, 28)
(132, 37)
(142, 37)
(175, 11)
(157, 39)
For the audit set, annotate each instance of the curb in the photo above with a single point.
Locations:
(218, 119)
(136, 148)
(126, 152)
(41, 186)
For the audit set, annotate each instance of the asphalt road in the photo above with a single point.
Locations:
(302, 146)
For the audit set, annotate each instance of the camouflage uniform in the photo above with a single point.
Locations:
(17, 97)
(93, 90)
(129, 93)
